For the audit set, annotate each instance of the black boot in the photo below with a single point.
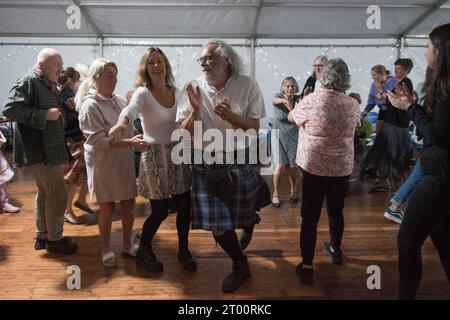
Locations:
(147, 259)
(304, 274)
(241, 271)
(187, 259)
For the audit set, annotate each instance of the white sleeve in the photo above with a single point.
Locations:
(135, 106)
(184, 106)
(256, 108)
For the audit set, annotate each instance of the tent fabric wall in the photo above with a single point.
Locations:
(15, 60)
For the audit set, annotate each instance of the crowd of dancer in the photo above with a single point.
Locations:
(83, 135)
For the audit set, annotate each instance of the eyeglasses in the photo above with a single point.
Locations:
(317, 65)
(207, 58)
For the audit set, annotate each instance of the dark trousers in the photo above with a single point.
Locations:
(315, 189)
(427, 214)
(160, 210)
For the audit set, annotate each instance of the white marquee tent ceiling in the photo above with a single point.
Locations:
(222, 18)
(275, 38)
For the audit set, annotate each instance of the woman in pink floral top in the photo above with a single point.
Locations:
(327, 120)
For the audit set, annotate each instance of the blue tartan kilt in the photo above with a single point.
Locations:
(235, 210)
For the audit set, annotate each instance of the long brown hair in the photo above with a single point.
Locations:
(142, 77)
(426, 87)
(440, 87)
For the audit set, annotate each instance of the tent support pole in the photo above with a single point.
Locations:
(399, 46)
(100, 46)
(253, 57)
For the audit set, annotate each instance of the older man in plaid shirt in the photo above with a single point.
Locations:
(39, 143)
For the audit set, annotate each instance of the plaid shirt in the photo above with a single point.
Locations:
(36, 140)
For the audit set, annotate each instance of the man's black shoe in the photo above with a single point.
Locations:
(62, 246)
(40, 244)
(241, 271)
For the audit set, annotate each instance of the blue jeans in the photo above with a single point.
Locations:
(403, 193)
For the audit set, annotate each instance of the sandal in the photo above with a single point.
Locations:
(72, 219)
(276, 204)
(131, 252)
(109, 259)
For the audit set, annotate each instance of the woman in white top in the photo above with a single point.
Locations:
(155, 101)
(109, 164)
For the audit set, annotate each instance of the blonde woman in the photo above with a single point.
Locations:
(155, 101)
(382, 83)
(109, 164)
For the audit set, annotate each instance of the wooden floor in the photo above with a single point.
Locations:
(369, 239)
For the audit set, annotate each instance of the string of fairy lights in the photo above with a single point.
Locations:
(180, 54)
(19, 51)
(329, 51)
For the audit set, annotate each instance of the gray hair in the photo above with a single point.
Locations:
(335, 75)
(226, 51)
(322, 59)
(291, 79)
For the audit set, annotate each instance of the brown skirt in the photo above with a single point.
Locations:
(75, 170)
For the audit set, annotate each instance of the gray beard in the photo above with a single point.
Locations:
(215, 78)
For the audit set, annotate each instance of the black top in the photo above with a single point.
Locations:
(436, 132)
(72, 127)
(397, 117)
(310, 82)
